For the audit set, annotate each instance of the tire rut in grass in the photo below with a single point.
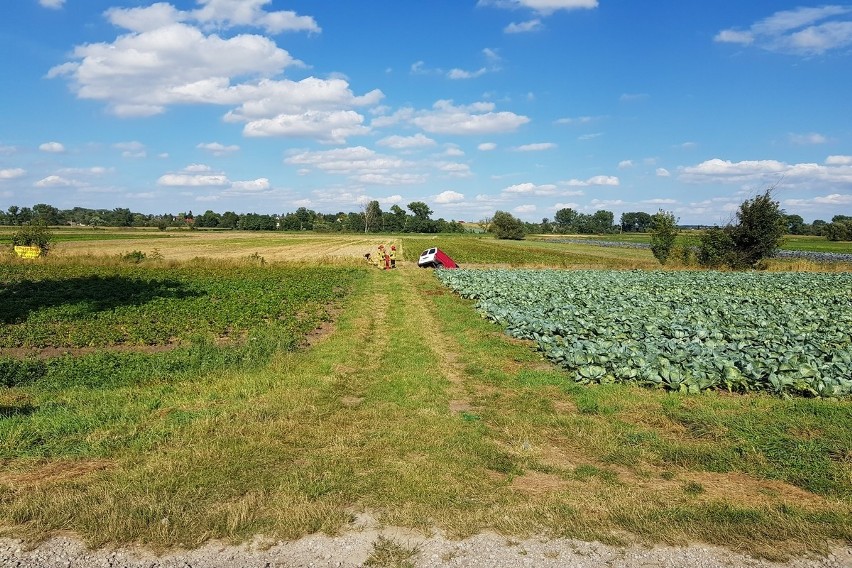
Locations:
(446, 351)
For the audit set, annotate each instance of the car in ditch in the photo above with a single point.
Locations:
(435, 258)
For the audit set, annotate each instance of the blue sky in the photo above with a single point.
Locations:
(472, 106)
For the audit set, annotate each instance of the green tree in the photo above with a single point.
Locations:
(395, 220)
(636, 221)
(372, 216)
(229, 220)
(602, 222)
(794, 224)
(46, 214)
(758, 232)
(566, 220)
(420, 209)
(354, 222)
(664, 232)
(120, 217)
(505, 226)
(13, 215)
(838, 231)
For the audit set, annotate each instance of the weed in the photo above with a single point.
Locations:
(388, 553)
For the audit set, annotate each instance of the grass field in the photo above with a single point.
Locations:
(410, 406)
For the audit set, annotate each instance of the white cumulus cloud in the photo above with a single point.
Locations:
(448, 197)
(835, 173)
(218, 149)
(454, 169)
(839, 161)
(193, 180)
(12, 173)
(172, 57)
(592, 181)
(251, 186)
(360, 164)
(406, 142)
(474, 119)
(530, 189)
(52, 147)
(53, 4)
(57, 181)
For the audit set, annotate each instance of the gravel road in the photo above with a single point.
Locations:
(354, 548)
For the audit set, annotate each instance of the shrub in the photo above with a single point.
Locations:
(135, 257)
(663, 234)
(715, 248)
(36, 235)
(755, 237)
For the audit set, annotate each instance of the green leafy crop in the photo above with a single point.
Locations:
(787, 333)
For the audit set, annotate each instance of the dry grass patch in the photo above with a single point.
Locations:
(20, 475)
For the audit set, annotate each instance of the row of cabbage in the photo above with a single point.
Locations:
(787, 333)
(813, 256)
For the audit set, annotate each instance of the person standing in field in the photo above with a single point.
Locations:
(380, 256)
(386, 258)
(392, 256)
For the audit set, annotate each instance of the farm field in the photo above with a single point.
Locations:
(371, 391)
(791, 242)
(785, 333)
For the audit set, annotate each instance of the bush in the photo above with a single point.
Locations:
(663, 234)
(34, 236)
(715, 248)
(506, 226)
(747, 244)
(135, 257)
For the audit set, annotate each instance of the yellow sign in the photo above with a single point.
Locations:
(28, 252)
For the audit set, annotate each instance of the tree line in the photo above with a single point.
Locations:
(371, 218)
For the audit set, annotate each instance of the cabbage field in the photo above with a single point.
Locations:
(787, 333)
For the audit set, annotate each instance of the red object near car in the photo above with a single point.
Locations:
(435, 258)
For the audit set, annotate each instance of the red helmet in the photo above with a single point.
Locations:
(393, 247)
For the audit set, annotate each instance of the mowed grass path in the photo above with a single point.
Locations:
(418, 411)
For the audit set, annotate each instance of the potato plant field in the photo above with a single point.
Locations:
(74, 320)
(786, 333)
